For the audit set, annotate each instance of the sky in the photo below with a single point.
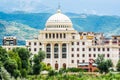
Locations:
(100, 7)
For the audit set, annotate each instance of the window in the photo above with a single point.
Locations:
(34, 43)
(72, 61)
(55, 55)
(49, 35)
(83, 43)
(77, 49)
(73, 37)
(56, 51)
(29, 49)
(94, 55)
(57, 35)
(64, 35)
(77, 61)
(40, 49)
(77, 55)
(77, 43)
(98, 49)
(83, 61)
(60, 35)
(89, 55)
(83, 49)
(29, 43)
(83, 55)
(35, 49)
(108, 55)
(40, 43)
(64, 56)
(53, 35)
(48, 48)
(108, 49)
(72, 43)
(72, 49)
(72, 55)
(89, 49)
(46, 35)
(48, 56)
(94, 49)
(103, 49)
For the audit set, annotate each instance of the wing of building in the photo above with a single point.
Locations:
(66, 47)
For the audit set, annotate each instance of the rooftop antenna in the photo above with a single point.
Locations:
(59, 6)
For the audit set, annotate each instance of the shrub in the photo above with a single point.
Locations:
(74, 69)
(24, 73)
(52, 73)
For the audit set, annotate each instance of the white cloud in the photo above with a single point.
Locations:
(20, 5)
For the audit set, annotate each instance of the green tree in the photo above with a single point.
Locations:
(102, 64)
(15, 56)
(118, 65)
(11, 66)
(24, 55)
(37, 60)
(3, 55)
(4, 74)
(45, 67)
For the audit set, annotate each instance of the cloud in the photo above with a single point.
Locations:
(21, 5)
(90, 11)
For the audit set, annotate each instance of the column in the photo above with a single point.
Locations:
(51, 59)
(44, 48)
(59, 56)
(67, 55)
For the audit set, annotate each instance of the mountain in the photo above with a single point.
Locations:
(24, 25)
(22, 32)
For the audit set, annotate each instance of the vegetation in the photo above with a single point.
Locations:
(17, 64)
(37, 60)
(103, 65)
(118, 66)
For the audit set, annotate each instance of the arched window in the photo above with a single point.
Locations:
(64, 50)
(64, 66)
(48, 64)
(56, 66)
(56, 51)
(48, 50)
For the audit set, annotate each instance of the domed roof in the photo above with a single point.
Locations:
(59, 20)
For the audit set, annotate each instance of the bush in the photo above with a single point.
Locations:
(75, 69)
(52, 73)
(24, 73)
(16, 73)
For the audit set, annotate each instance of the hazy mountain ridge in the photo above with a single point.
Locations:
(26, 25)
(22, 32)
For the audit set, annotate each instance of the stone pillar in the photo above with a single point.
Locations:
(51, 54)
(59, 51)
(67, 54)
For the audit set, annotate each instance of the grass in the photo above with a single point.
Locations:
(79, 76)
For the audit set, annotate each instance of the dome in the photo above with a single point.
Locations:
(59, 20)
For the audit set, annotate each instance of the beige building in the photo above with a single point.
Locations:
(65, 47)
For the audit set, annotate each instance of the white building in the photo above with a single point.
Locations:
(65, 47)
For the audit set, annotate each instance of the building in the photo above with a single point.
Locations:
(66, 47)
(10, 42)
